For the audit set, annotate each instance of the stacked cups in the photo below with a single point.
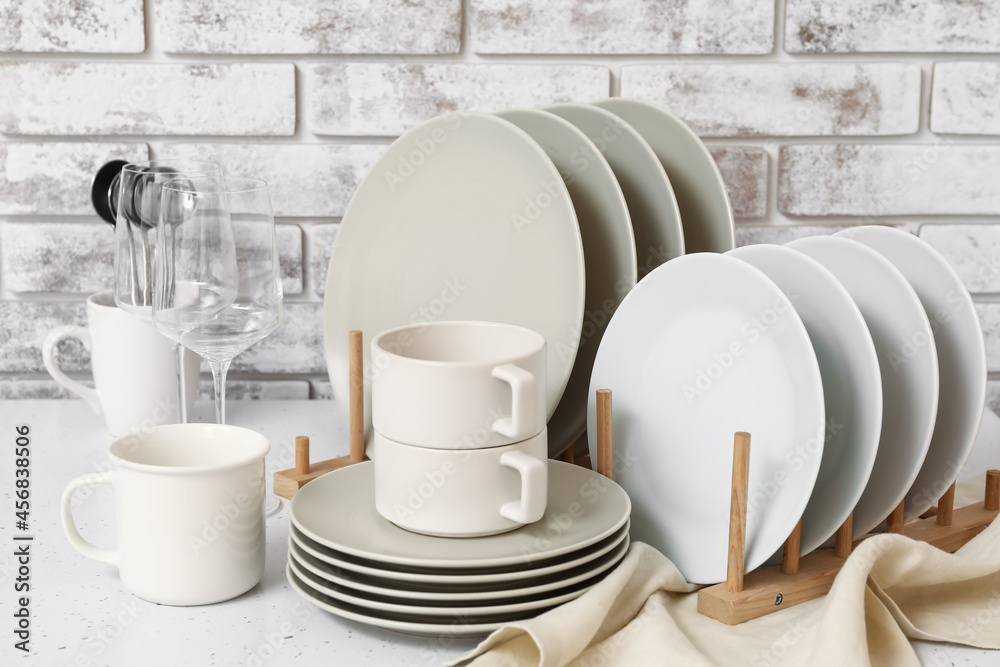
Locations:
(458, 410)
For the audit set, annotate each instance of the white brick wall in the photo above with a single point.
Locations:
(821, 115)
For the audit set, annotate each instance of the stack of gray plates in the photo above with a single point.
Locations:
(345, 558)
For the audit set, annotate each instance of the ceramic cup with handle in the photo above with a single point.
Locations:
(135, 374)
(461, 492)
(189, 502)
(458, 385)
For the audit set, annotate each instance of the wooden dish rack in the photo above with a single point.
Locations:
(743, 596)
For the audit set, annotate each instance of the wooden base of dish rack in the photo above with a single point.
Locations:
(288, 482)
(742, 596)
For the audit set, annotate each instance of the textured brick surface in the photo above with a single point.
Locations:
(79, 257)
(71, 26)
(23, 328)
(321, 240)
(289, 239)
(54, 178)
(993, 399)
(308, 26)
(780, 234)
(783, 100)
(33, 387)
(622, 26)
(846, 26)
(744, 169)
(305, 180)
(989, 316)
(57, 256)
(296, 347)
(322, 390)
(120, 98)
(966, 98)
(383, 99)
(972, 250)
(863, 180)
(268, 390)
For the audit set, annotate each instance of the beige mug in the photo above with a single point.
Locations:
(135, 371)
(461, 492)
(189, 502)
(458, 385)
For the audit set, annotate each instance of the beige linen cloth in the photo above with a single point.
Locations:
(891, 588)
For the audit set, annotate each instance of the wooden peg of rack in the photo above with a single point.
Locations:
(844, 541)
(792, 551)
(288, 482)
(605, 434)
(992, 501)
(894, 524)
(946, 507)
(738, 512)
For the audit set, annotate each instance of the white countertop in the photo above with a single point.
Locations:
(81, 615)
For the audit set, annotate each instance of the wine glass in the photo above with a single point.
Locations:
(137, 217)
(216, 280)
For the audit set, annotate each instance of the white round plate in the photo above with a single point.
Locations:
(433, 589)
(463, 218)
(908, 363)
(701, 193)
(703, 347)
(652, 206)
(411, 624)
(961, 352)
(852, 384)
(608, 250)
(583, 508)
(478, 579)
(429, 608)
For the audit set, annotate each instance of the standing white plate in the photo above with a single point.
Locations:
(598, 507)
(701, 193)
(908, 365)
(852, 384)
(608, 250)
(463, 218)
(652, 206)
(703, 347)
(961, 352)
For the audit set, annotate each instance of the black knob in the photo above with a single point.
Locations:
(104, 190)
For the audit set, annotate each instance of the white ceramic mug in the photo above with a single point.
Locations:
(458, 385)
(189, 503)
(461, 492)
(135, 375)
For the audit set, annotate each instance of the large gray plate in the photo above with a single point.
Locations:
(701, 193)
(608, 249)
(463, 218)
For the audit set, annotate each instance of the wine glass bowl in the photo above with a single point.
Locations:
(216, 281)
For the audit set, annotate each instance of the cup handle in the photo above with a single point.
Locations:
(69, 526)
(534, 488)
(523, 389)
(48, 358)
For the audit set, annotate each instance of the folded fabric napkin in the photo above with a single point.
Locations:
(890, 588)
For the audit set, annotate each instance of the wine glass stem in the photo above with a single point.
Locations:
(182, 413)
(219, 370)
